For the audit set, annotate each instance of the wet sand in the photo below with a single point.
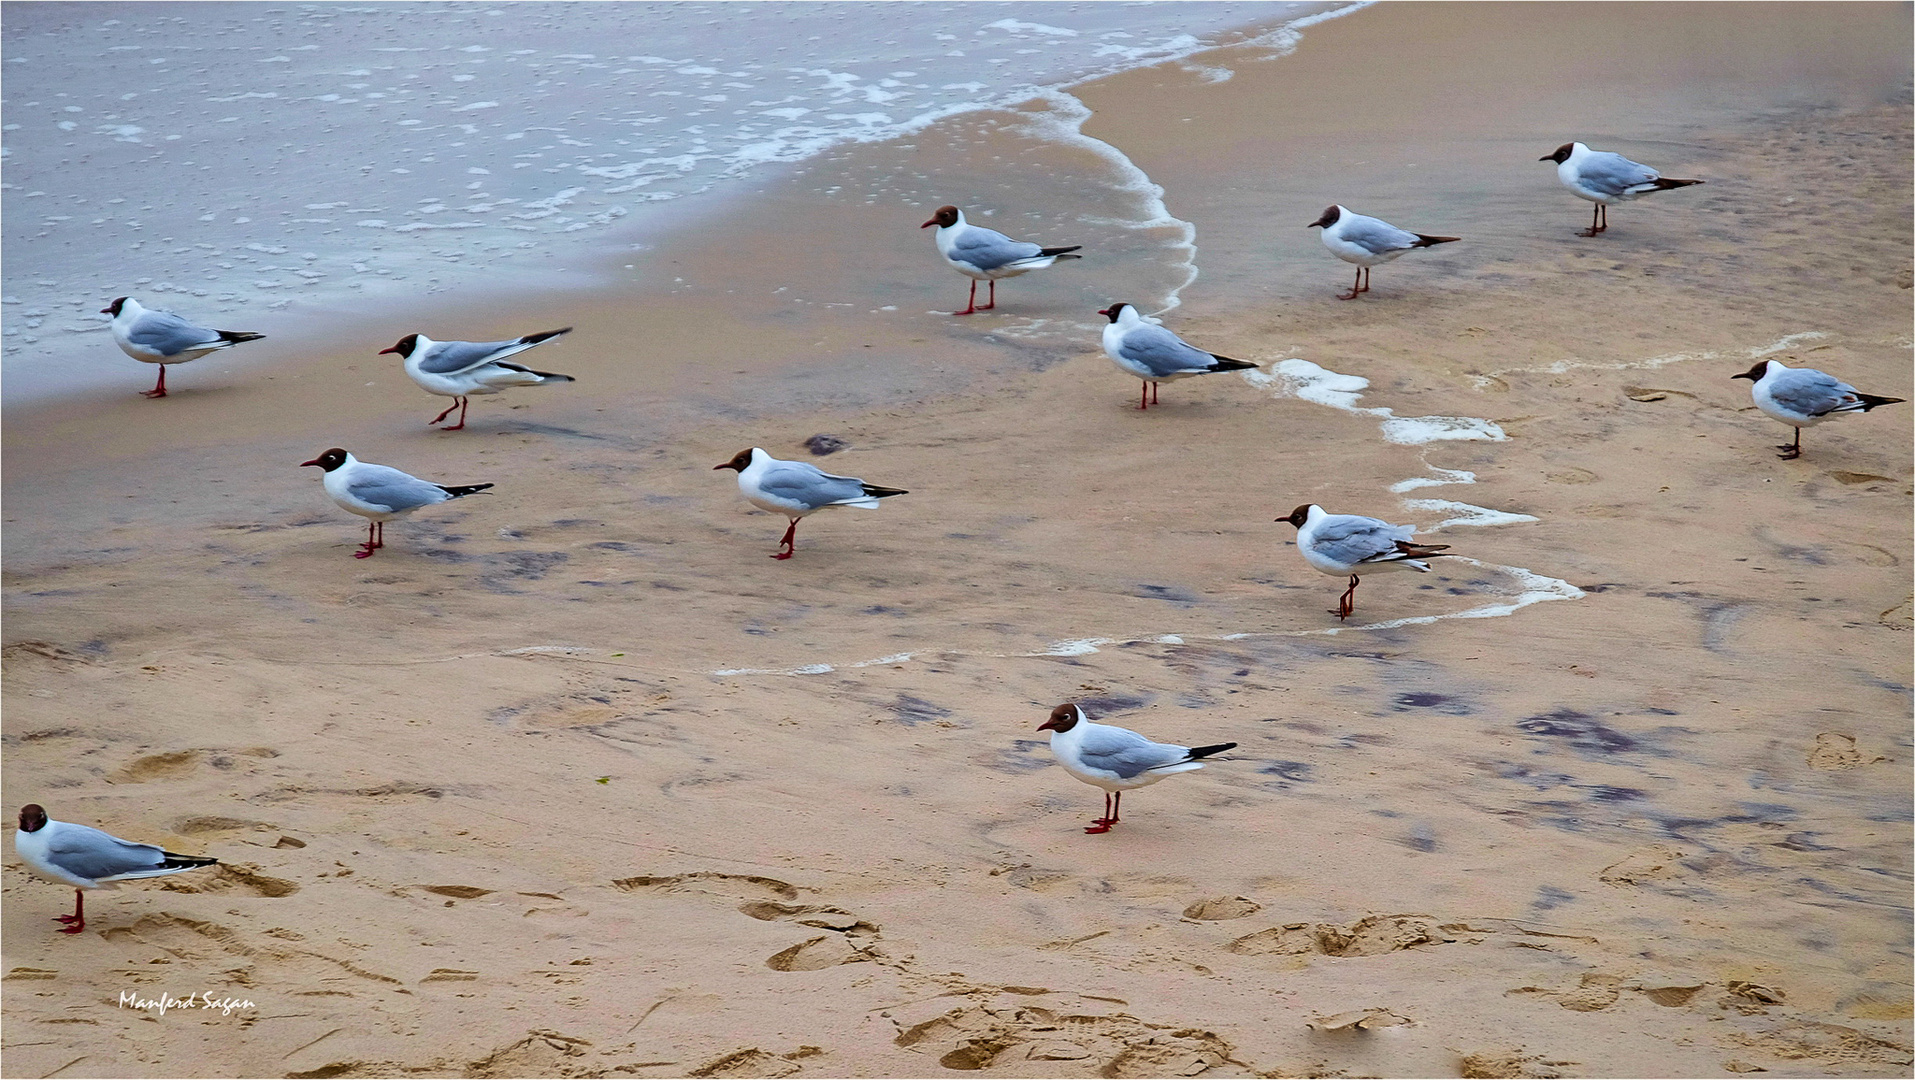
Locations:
(572, 780)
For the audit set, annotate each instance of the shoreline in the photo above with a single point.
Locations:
(580, 758)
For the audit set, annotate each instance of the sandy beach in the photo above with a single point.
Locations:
(572, 780)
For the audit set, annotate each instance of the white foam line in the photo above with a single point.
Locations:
(1560, 366)
(1535, 589)
(1303, 379)
(1064, 123)
(1471, 515)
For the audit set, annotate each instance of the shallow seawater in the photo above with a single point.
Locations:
(251, 164)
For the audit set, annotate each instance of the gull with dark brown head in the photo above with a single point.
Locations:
(983, 254)
(1804, 397)
(798, 488)
(456, 369)
(1339, 544)
(1367, 242)
(1116, 759)
(86, 858)
(1604, 178)
(152, 336)
(380, 493)
(1142, 346)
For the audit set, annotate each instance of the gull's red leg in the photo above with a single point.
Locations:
(159, 389)
(972, 306)
(993, 302)
(366, 549)
(463, 404)
(1355, 287)
(1143, 395)
(1153, 392)
(1346, 604)
(448, 412)
(76, 922)
(788, 545)
(1102, 824)
(1791, 452)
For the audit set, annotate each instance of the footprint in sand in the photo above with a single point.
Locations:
(733, 886)
(231, 878)
(990, 1037)
(850, 940)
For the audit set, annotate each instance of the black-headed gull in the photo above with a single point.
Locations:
(1804, 397)
(1604, 178)
(1367, 242)
(160, 337)
(86, 858)
(798, 488)
(985, 255)
(380, 493)
(1339, 544)
(455, 369)
(1116, 759)
(1141, 346)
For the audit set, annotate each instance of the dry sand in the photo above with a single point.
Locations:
(486, 805)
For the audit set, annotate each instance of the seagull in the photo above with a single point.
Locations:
(1367, 242)
(1339, 544)
(1604, 178)
(1116, 759)
(86, 858)
(455, 369)
(380, 493)
(1804, 397)
(797, 488)
(985, 255)
(160, 337)
(1140, 345)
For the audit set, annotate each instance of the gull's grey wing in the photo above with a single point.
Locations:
(808, 485)
(1377, 236)
(1127, 753)
(453, 357)
(89, 853)
(1810, 392)
(1613, 174)
(988, 250)
(168, 334)
(1348, 538)
(1162, 352)
(392, 489)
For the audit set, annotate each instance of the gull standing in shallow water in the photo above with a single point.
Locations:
(1339, 544)
(160, 337)
(1367, 242)
(985, 255)
(1144, 348)
(1116, 759)
(1804, 397)
(798, 488)
(455, 369)
(380, 493)
(1604, 178)
(86, 858)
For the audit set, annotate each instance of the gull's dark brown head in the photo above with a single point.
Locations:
(33, 817)
(328, 461)
(740, 461)
(1755, 373)
(404, 347)
(1328, 219)
(1298, 516)
(1063, 718)
(113, 308)
(1113, 311)
(945, 218)
(1561, 155)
